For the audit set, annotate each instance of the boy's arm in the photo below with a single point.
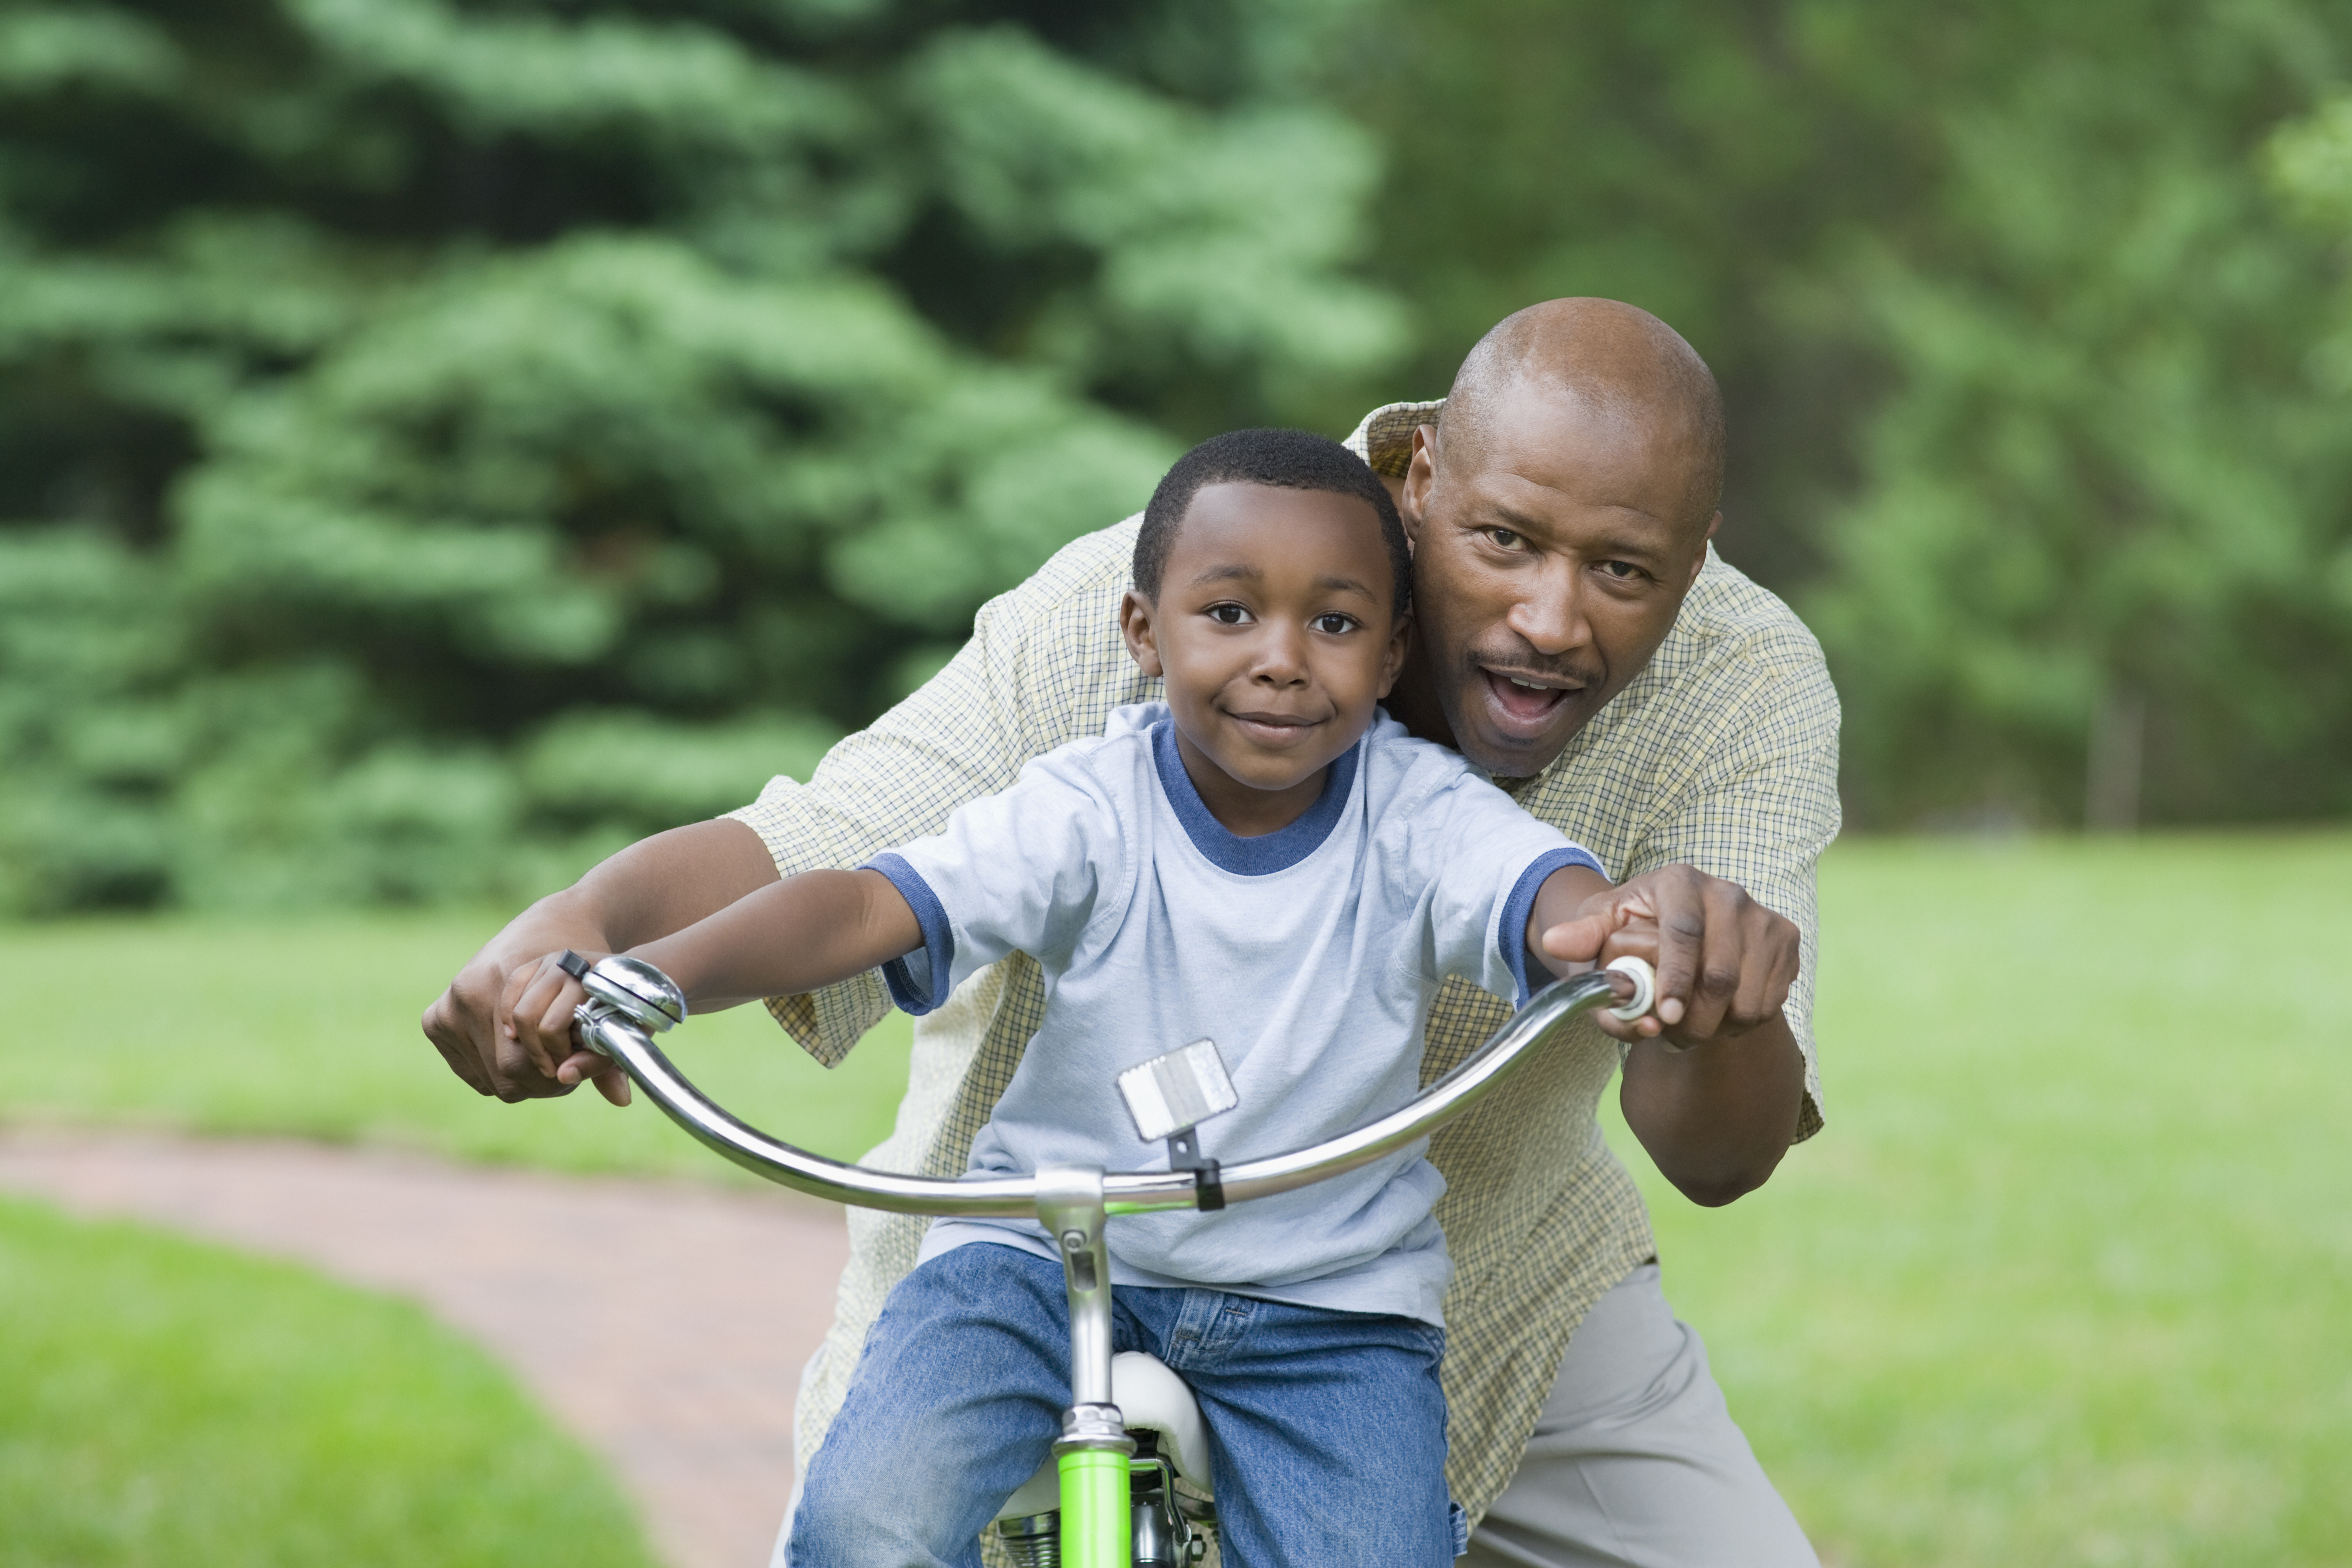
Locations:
(809, 931)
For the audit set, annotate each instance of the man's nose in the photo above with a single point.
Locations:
(1550, 614)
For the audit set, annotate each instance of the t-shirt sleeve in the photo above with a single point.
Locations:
(1486, 861)
(1019, 872)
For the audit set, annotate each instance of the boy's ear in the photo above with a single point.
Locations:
(1393, 657)
(1135, 624)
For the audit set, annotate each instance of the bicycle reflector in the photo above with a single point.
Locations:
(1176, 1092)
(1169, 1096)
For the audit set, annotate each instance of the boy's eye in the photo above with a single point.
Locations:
(1229, 614)
(1335, 624)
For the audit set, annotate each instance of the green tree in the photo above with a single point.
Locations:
(2014, 340)
(438, 441)
(2081, 576)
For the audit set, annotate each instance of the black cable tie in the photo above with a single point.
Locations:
(1184, 1154)
(1209, 1185)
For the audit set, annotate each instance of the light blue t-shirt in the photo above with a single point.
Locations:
(1309, 956)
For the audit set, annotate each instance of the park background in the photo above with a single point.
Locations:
(439, 444)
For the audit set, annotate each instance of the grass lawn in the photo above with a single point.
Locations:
(163, 1403)
(2066, 1282)
(310, 1026)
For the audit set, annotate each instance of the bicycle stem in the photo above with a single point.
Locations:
(1093, 1449)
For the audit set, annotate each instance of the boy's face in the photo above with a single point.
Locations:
(1274, 628)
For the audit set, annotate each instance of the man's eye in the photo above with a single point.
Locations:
(1504, 538)
(1336, 625)
(1228, 614)
(1622, 570)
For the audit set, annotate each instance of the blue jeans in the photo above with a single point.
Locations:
(1327, 1429)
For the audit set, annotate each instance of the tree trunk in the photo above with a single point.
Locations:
(2111, 783)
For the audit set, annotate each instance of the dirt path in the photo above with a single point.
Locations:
(664, 1324)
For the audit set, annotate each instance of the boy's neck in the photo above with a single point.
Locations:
(1242, 809)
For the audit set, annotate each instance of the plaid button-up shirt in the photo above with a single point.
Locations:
(1722, 753)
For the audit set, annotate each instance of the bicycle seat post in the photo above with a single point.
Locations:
(1093, 1449)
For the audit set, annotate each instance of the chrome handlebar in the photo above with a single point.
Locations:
(631, 1000)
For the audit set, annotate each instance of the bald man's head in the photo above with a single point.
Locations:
(1619, 363)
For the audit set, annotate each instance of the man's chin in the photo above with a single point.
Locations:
(1508, 743)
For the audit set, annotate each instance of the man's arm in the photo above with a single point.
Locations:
(1715, 1081)
(1044, 664)
(804, 933)
(1720, 1081)
(659, 886)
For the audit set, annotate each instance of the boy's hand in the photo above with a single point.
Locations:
(537, 1013)
(1725, 962)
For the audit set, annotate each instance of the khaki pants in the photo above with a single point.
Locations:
(1635, 1461)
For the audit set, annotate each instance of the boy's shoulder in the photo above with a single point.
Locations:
(1115, 760)
(1404, 774)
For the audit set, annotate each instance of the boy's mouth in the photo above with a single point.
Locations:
(1277, 729)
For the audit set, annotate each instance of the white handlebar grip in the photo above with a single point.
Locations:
(1645, 986)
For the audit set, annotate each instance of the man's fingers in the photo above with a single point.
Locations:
(613, 1084)
(450, 1038)
(529, 1018)
(1717, 982)
(1773, 950)
(555, 1021)
(1682, 932)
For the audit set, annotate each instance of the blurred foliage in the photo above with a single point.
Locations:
(437, 443)
(440, 442)
(2017, 340)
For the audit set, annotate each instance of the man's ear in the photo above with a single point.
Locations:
(1699, 560)
(1413, 501)
(1393, 657)
(1135, 613)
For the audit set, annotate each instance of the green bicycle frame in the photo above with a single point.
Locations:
(1098, 1523)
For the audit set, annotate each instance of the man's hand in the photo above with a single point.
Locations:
(1725, 962)
(662, 885)
(487, 1029)
(1715, 1081)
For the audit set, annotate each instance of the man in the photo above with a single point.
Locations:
(1578, 638)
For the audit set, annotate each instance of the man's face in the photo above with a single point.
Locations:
(1549, 561)
(1274, 628)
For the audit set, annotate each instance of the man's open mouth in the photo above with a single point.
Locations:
(1524, 699)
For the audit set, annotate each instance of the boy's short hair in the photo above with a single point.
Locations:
(1285, 459)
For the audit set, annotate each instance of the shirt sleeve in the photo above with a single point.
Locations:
(1043, 668)
(1761, 805)
(1019, 872)
(1487, 859)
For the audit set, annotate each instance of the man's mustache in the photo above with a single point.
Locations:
(1523, 659)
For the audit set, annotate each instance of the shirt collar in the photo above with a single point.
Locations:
(1269, 853)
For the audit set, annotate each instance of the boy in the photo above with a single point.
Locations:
(1264, 861)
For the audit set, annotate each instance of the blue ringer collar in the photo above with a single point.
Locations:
(1269, 852)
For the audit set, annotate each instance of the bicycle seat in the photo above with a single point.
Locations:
(1150, 1398)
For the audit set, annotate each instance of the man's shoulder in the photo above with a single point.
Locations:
(1736, 654)
(1729, 615)
(1085, 567)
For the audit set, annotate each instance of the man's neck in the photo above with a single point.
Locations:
(1413, 703)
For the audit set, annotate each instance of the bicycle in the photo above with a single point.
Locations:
(1109, 1496)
